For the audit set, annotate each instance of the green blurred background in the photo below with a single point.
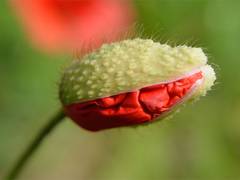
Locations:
(201, 142)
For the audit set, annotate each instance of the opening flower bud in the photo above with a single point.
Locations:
(133, 82)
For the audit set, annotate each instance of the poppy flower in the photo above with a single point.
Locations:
(60, 25)
(133, 82)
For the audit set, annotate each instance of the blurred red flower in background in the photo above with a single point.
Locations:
(67, 25)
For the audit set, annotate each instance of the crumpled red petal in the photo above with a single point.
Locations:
(130, 108)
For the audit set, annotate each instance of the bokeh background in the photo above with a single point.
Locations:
(200, 142)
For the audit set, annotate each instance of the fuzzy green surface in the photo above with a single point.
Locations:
(125, 66)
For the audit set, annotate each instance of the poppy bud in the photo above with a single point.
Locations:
(133, 82)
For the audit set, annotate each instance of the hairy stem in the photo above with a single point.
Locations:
(27, 154)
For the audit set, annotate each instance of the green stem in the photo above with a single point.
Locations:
(27, 154)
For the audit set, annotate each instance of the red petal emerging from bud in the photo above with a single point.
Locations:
(131, 108)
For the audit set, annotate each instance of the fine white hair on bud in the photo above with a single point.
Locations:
(129, 65)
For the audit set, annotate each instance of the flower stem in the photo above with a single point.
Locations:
(27, 154)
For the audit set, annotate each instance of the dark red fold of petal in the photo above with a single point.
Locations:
(130, 108)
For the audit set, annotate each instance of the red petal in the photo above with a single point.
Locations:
(130, 108)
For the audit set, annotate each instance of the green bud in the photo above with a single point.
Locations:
(130, 65)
